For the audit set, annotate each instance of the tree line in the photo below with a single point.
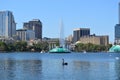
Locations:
(23, 46)
(89, 47)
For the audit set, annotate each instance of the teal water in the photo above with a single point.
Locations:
(46, 66)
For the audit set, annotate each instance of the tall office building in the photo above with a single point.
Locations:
(7, 24)
(80, 32)
(36, 26)
(117, 29)
(117, 34)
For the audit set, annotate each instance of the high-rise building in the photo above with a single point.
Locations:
(36, 26)
(117, 34)
(25, 35)
(7, 24)
(77, 33)
(117, 29)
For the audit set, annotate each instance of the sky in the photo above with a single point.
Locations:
(99, 15)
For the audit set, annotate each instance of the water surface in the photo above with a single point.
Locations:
(46, 66)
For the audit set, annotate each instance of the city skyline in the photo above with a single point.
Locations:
(99, 16)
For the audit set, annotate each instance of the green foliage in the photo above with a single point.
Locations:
(57, 43)
(3, 46)
(11, 47)
(91, 47)
(41, 46)
(20, 46)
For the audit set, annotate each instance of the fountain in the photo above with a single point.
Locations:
(115, 48)
(61, 48)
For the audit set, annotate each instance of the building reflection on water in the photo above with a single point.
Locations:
(99, 70)
(20, 69)
(117, 69)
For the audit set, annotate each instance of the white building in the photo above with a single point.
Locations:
(7, 24)
(25, 35)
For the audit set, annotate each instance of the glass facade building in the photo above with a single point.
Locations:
(77, 33)
(7, 24)
(117, 34)
(117, 29)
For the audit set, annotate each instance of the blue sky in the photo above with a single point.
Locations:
(98, 15)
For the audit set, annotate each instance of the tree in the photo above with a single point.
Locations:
(11, 47)
(21, 46)
(79, 47)
(89, 47)
(3, 46)
(41, 46)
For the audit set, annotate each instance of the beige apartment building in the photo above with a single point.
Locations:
(98, 40)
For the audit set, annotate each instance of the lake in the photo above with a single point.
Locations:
(48, 66)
